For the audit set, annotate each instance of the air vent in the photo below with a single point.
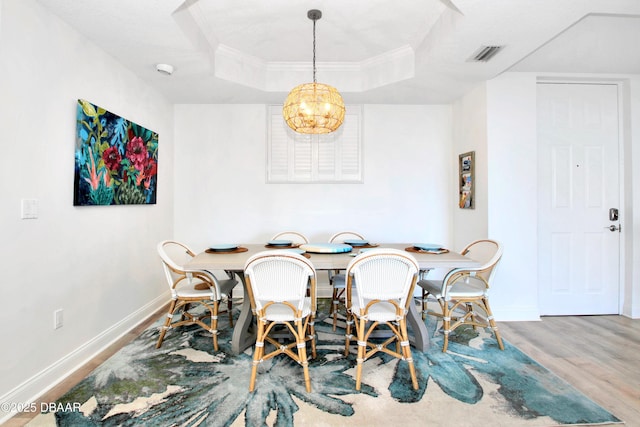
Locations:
(485, 53)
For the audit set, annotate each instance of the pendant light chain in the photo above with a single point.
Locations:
(314, 50)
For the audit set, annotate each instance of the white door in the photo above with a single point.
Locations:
(578, 185)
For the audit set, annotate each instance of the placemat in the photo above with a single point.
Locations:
(422, 251)
(368, 245)
(232, 251)
(294, 245)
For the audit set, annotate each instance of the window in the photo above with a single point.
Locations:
(334, 157)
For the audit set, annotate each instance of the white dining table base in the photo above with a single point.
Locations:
(420, 338)
(244, 330)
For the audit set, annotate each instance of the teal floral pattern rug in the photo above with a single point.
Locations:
(186, 383)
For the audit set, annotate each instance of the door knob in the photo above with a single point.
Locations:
(614, 228)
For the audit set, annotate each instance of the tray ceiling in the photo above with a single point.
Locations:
(373, 51)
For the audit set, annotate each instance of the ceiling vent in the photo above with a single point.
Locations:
(485, 53)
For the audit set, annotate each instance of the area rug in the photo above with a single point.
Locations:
(186, 383)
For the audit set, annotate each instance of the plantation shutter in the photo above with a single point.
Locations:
(334, 157)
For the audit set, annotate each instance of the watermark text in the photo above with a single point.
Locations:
(40, 407)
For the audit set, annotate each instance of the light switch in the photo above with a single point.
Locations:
(29, 208)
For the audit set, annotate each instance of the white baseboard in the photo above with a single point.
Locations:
(30, 390)
(631, 311)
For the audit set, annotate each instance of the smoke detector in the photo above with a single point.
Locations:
(165, 69)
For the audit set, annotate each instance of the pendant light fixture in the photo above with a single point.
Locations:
(314, 108)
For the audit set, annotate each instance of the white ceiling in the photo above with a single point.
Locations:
(373, 51)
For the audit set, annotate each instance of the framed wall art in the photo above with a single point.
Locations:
(116, 160)
(466, 163)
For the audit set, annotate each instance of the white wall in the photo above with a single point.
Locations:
(497, 120)
(98, 264)
(222, 197)
(631, 214)
(470, 134)
(512, 187)
(221, 194)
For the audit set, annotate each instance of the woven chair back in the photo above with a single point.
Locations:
(174, 255)
(294, 236)
(278, 276)
(488, 253)
(386, 274)
(345, 235)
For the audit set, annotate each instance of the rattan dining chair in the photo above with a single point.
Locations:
(384, 280)
(294, 236)
(190, 289)
(337, 278)
(277, 283)
(463, 293)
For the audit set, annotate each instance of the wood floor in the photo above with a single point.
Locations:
(599, 355)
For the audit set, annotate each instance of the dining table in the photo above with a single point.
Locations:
(233, 262)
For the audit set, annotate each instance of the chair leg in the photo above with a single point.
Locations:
(472, 315)
(492, 323)
(446, 325)
(312, 335)
(406, 352)
(348, 333)
(424, 304)
(362, 350)
(302, 354)
(185, 311)
(214, 324)
(334, 307)
(230, 307)
(257, 353)
(167, 322)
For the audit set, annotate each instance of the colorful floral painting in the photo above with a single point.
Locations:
(116, 159)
